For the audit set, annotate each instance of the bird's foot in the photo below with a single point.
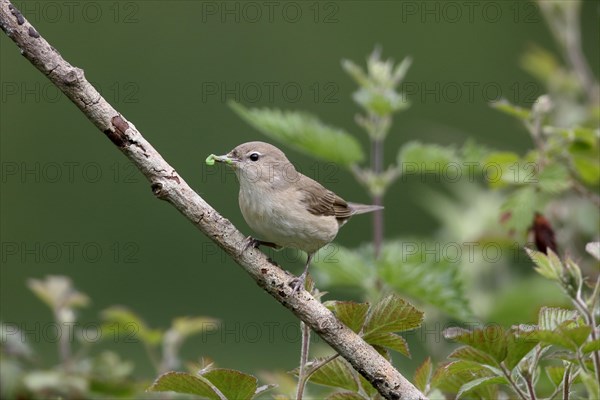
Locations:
(297, 283)
(251, 242)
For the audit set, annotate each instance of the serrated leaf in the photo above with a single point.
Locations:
(554, 179)
(490, 340)
(544, 266)
(512, 110)
(469, 353)
(345, 396)
(304, 132)
(522, 205)
(381, 102)
(550, 318)
(585, 162)
(392, 314)
(423, 375)
(183, 382)
(233, 384)
(404, 267)
(503, 168)
(390, 341)
(417, 157)
(518, 345)
(452, 376)
(336, 373)
(593, 345)
(350, 313)
(481, 382)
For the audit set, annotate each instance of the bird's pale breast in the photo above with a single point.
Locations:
(279, 216)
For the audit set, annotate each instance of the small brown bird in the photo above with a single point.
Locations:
(286, 208)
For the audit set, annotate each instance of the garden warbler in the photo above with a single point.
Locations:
(286, 208)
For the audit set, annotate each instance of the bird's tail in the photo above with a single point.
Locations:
(363, 208)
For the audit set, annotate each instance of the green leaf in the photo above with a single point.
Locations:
(336, 373)
(381, 102)
(391, 314)
(183, 382)
(233, 384)
(423, 375)
(478, 383)
(555, 373)
(551, 318)
(490, 340)
(304, 132)
(350, 313)
(518, 346)
(544, 266)
(512, 110)
(593, 345)
(416, 157)
(339, 266)
(468, 353)
(585, 161)
(522, 205)
(122, 321)
(452, 376)
(389, 340)
(503, 168)
(434, 280)
(554, 179)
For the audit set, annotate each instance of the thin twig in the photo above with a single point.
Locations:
(167, 185)
(513, 384)
(303, 360)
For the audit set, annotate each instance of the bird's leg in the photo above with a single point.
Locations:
(298, 282)
(255, 243)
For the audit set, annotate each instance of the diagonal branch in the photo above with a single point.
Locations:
(169, 186)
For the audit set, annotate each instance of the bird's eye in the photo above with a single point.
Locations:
(254, 157)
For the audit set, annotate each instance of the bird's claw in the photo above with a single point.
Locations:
(297, 283)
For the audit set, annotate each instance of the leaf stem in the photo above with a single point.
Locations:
(303, 359)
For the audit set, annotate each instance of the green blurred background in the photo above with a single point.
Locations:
(170, 68)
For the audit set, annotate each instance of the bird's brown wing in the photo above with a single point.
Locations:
(320, 201)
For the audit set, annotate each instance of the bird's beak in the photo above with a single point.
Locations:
(227, 159)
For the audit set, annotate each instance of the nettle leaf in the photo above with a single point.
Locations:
(512, 110)
(404, 266)
(585, 161)
(468, 353)
(423, 375)
(339, 266)
(381, 101)
(183, 382)
(518, 346)
(593, 345)
(521, 206)
(392, 314)
(452, 376)
(503, 168)
(233, 384)
(188, 326)
(352, 314)
(121, 320)
(490, 340)
(554, 179)
(591, 384)
(417, 157)
(545, 266)
(555, 373)
(479, 383)
(550, 318)
(304, 132)
(389, 340)
(336, 373)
